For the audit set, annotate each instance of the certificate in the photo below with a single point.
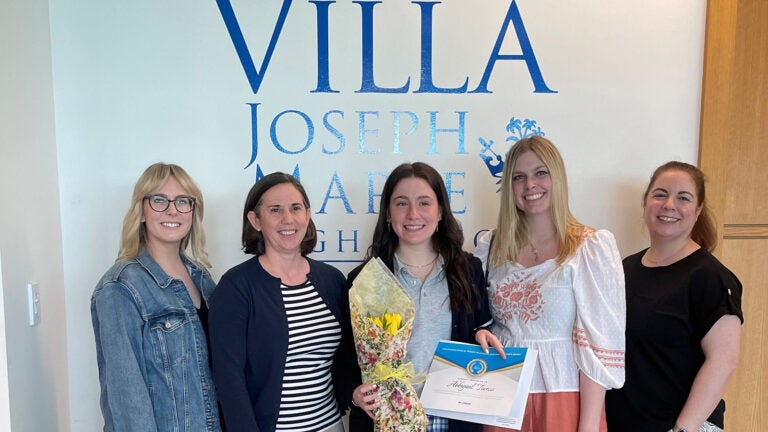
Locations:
(464, 383)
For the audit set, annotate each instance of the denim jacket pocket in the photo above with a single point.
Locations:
(170, 334)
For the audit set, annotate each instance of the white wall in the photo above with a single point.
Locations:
(137, 82)
(30, 230)
(5, 399)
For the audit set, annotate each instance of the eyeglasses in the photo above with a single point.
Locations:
(160, 203)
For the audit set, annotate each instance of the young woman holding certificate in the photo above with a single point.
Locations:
(419, 240)
(556, 286)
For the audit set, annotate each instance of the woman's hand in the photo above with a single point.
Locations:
(485, 338)
(366, 397)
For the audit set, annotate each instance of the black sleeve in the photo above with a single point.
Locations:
(482, 313)
(714, 292)
(346, 371)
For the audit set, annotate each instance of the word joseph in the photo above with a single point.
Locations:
(308, 132)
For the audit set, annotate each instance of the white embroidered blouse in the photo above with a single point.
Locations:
(573, 314)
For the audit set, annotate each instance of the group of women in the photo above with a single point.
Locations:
(661, 330)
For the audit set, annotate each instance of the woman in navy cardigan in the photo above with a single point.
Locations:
(278, 321)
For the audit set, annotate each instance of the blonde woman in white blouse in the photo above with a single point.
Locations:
(556, 286)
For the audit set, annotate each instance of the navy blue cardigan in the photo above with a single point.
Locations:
(249, 342)
(463, 325)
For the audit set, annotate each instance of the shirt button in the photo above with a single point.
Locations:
(167, 324)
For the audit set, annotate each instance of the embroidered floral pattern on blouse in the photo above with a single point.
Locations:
(521, 297)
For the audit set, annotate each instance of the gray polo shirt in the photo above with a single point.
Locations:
(433, 314)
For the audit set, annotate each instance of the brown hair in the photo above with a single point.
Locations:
(447, 240)
(253, 240)
(704, 231)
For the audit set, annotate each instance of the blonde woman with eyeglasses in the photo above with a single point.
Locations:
(150, 313)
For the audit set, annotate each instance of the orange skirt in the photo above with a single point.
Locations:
(551, 412)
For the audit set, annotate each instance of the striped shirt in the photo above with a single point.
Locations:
(307, 402)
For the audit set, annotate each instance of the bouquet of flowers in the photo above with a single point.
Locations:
(382, 322)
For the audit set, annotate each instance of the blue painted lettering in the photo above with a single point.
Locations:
(336, 181)
(254, 133)
(368, 84)
(433, 131)
(363, 131)
(323, 63)
(236, 35)
(352, 240)
(513, 16)
(449, 186)
(335, 132)
(396, 128)
(320, 246)
(372, 189)
(296, 172)
(367, 80)
(307, 122)
(427, 85)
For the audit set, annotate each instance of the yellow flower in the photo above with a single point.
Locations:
(377, 321)
(391, 329)
(392, 322)
(389, 322)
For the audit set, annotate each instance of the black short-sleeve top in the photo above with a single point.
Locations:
(669, 311)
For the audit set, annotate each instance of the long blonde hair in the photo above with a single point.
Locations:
(134, 236)
(511, 234)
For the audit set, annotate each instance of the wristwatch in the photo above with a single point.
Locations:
(677, 428)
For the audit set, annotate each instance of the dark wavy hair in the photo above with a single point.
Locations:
(447, 240)
(704, 231)
(253, 241)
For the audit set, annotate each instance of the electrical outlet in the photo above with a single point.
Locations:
(33, 304)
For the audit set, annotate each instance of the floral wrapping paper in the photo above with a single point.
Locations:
(381, 354)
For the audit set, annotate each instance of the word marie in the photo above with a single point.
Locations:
(337, 193)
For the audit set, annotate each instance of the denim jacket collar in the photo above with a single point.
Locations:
(162, 279)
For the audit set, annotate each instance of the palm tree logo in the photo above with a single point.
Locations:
(517, 129)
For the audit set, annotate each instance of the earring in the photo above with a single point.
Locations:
(389, 226)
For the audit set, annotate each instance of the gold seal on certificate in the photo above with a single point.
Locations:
(464, 383)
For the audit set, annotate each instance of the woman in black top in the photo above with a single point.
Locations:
(683, 315)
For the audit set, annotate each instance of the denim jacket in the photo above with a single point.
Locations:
(151, 350)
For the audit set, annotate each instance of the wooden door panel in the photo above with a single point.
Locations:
(747, 394)
(733, 153)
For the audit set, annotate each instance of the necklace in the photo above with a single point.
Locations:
(672, 258)
(418, 265)
(535, 252)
